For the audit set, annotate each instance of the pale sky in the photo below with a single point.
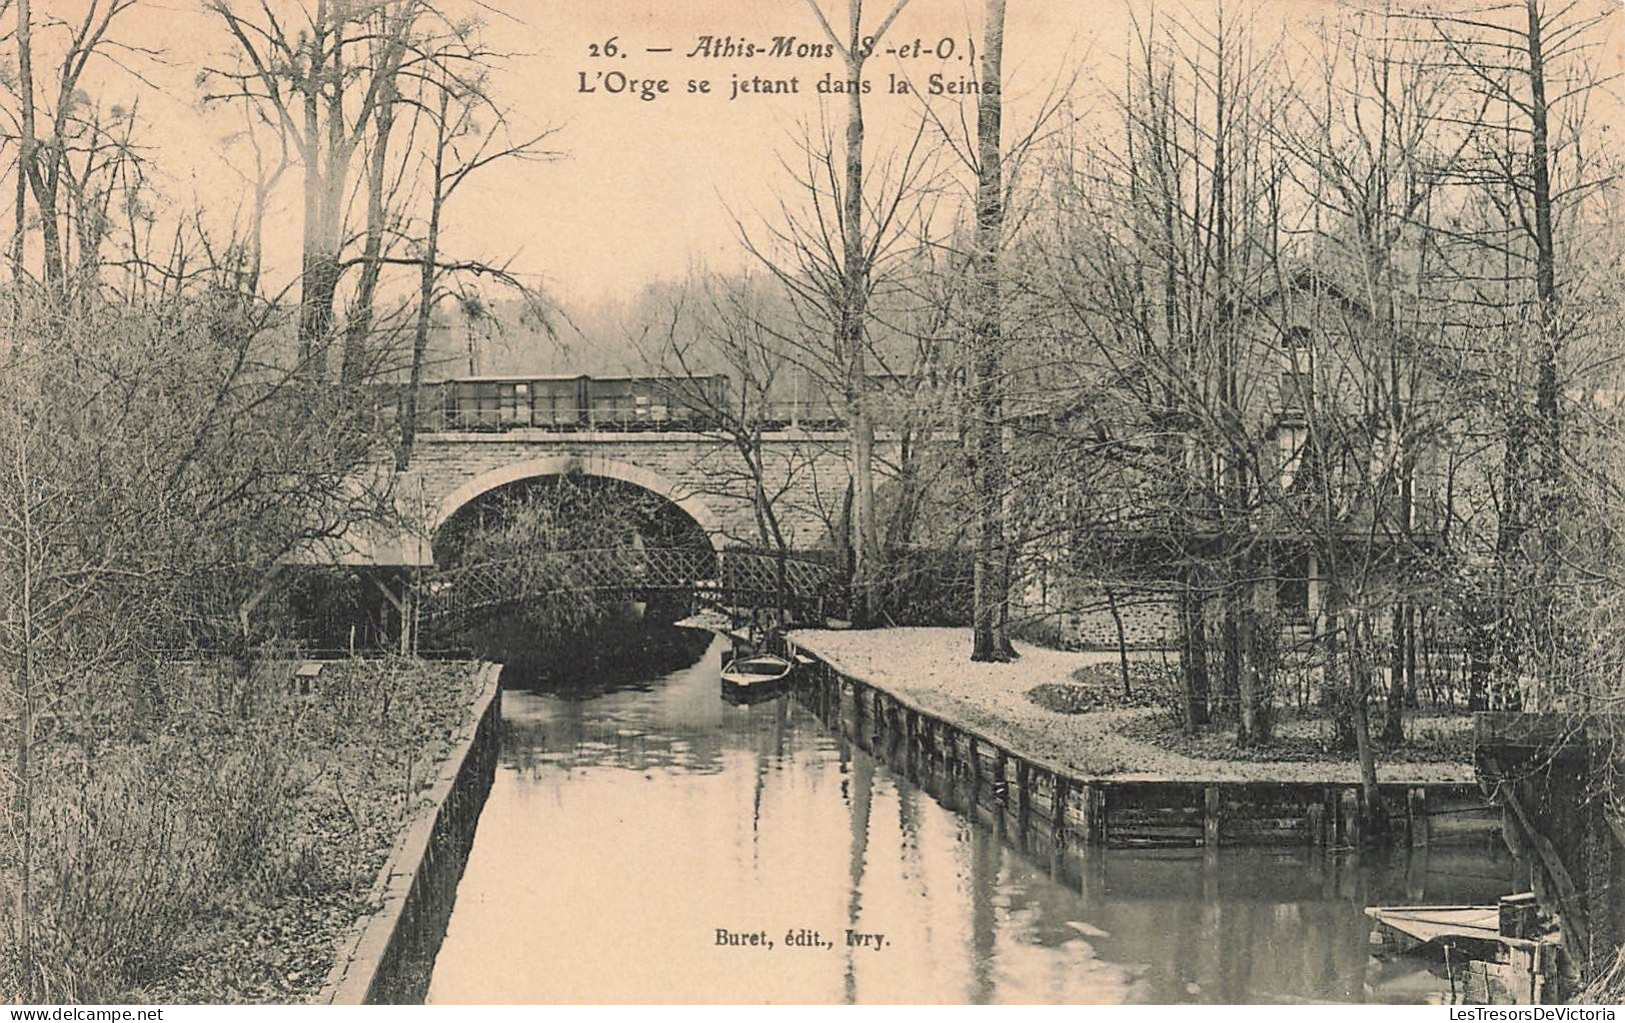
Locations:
(644, 190)
(648, 185)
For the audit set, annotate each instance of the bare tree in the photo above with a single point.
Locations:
(466, 132)
(1170, 245)
(1527, 71)
(80, 157)
(990, 636)
(306, 81)
(857, 257)
(721, 327)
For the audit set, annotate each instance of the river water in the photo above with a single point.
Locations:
(637, 820)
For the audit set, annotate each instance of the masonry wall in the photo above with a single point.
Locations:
(807, 472)
(1150, 618)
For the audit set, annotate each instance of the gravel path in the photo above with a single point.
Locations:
(930, 668)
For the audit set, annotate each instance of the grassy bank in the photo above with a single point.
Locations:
(1064, 707)
(205, 834)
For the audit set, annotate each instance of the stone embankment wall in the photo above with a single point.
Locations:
(389, 955)
(968, 771)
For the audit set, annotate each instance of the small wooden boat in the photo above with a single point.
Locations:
(1404, 929)
(1493, 955)
(756, 673)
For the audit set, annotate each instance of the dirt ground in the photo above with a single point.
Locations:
(930, 668)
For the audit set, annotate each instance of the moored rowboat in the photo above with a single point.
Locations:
(756, 672)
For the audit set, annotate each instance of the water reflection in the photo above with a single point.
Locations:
(626, 652)
(626, 827)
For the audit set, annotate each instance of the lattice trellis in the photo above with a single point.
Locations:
(737, 577)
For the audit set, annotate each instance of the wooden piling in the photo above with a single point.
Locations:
(1210, 816)
(975, 768)
(1353, 821)
(1416, 816)
(1094, 814)
(1058, 809)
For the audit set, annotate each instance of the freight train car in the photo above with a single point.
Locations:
(508, 403)
(584, 403)
(652, 403)
(657, 403)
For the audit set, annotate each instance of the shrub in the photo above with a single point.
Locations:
(163, 844)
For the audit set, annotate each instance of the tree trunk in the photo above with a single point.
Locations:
(1230, 667)
(23, 810)
(1479, 665)
(900, 526)
(20, 220)
(426, 282)
(26, 144)
(28, 154)
(326, 158)
(1356, 699)
(1414, 623)
(1393, 725)
(352, 366)
(990, 641)
(312, 323)
(23, 797)
(319, 280)
(1122, 641)
(1507, 633)
(1007, 575)
(1548, 429)
(854, 339)
(1247, 695)
(1262, 651)
(1193, 658)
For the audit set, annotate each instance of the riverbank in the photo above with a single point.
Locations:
(206, 835)
(929, 669)
(389, 956)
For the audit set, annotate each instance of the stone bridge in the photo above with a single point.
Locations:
(804, 475)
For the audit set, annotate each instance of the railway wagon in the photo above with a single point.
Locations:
(800, 400)
(653, 403)
(581, 402)
(507, 403)
(656, 403)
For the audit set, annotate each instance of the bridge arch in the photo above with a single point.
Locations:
(586, 465)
